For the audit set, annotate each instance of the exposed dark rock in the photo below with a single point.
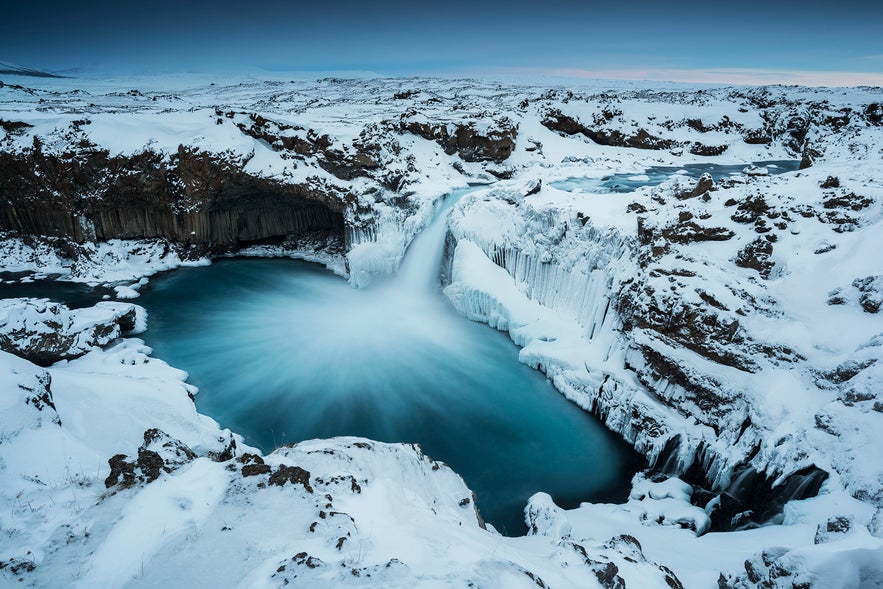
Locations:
(756, 255)
(291, 474)
(871, 289)
(808, 156)
(250, 470)
(846, 371)
(835, 526)
(751, 209)
(44, 332)
(38, 395)
(723, 510)
(626, 545)
(770, 569)
(465, 139)
(17, 566)
(849, 201)
(229, 451)
(608, 575)
(151, 464)
(795, 132)
(708, 150)
(344, 162)
(831, 182)
(851, 396)
(690, 232)
(874, 114)
(160, 453)
(754, 498)
(14, 127)
(837, 297)
(120, 468)
(757, 137)
(705, 185)
(641, 139)
(188, 197)
(697, 125)
(670, 578)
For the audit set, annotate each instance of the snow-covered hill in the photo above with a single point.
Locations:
(727, 327)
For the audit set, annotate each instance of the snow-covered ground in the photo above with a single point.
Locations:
(729, 329)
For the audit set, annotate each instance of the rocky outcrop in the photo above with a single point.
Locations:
(45, 332)
(190, 197)
(160, 453)
(466, 139)
(640, 139)
(756, 255)
(342, 161)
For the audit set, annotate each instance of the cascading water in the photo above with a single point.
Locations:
(420, 268)
(284, 351)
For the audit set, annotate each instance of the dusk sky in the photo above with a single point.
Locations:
(784, 42)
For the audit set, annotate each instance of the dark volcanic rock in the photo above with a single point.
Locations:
(705, 185)
(465, 139)
(291, 474)
(188, 197)
(756, 255)
(751, 209)
(160, 453)
(14, 127)
(120, 468)
(871, 292)
(44, 332)
(831, 182)
(150, 463)
(250, 470)
(708, 150)
(689, 232)
(641, 139)
(874, 114)
(850, 201)
(758, 137)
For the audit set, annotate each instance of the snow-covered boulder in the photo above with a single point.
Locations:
(46, 332)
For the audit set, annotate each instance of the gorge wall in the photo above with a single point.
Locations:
(189, 197)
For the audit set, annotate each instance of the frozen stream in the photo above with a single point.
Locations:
(284, 351)
(655, 175)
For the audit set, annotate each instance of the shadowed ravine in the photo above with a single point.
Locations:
(284, 351)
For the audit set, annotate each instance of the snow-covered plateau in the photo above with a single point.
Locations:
(726, 326)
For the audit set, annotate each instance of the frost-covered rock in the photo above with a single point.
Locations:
(46, 332)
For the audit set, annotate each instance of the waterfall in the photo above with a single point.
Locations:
(420, 268)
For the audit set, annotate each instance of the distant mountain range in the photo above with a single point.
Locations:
(16, 70)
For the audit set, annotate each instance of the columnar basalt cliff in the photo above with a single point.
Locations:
(189, 197)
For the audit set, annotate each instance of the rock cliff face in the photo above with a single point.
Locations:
(189, 197)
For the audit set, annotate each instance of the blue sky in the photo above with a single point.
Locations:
(394, 37)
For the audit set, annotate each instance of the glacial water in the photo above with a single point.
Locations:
(653, 176)
(73, 294)
(283, 351)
